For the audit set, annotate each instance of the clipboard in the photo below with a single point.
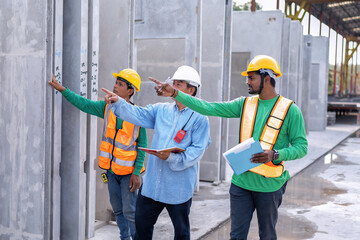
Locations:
(173, 150)
(239, 156)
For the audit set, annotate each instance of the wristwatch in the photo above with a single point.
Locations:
(276, 154)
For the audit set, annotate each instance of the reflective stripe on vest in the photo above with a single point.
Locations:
(270, 131)
(118, 148)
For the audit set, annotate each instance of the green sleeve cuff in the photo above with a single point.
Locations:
(137, 170)
(180, 95)
(66, 92)
(280, 159)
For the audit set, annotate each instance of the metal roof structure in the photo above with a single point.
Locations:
(342, 16)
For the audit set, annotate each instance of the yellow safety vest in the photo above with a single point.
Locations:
(118, 148)
(270, 131)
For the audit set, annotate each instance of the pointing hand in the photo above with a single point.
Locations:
(55, 84)
(110, 97)
(164, 89)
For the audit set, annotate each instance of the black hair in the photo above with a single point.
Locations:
(272, 81)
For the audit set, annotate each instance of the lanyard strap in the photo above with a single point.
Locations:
(187, 121)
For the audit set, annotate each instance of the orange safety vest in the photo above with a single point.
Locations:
(118, 148)
(270, 131)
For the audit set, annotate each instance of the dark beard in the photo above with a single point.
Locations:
(252, 91)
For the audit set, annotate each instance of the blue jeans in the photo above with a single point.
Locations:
(242, 205)
(148, 211)
(123, 203)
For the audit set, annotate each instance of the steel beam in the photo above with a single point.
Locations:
(335, 71)
(296, 14)
(319, 1)
(349, 53)
(342, 68)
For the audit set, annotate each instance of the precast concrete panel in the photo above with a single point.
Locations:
(163, 41)
(291, 61)
(57, 111)
(115, 26)
(25, 125)
(300, 102)
(74, 122)
(214, 86)
(294, 52)
(306, 77)
(318, 84)
(283, 83)
(93, 55)
(225, 168)
(238, 88)
(158, 64)
(166, 20)
(258, 33)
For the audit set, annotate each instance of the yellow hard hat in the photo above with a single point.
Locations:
(131, 76)
(263, 62)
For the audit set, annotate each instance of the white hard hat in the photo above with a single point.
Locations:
(188, 74)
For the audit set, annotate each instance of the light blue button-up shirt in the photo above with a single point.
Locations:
(170, 181)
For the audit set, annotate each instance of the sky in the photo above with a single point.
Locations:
(314, 27)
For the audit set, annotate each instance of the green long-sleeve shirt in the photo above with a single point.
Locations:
(291, 143)
(97, 108)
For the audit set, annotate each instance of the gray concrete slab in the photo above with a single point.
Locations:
(319, 76)
(211, 206)
(25, 122)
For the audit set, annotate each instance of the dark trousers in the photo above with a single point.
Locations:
(242, 205)
(148, 211)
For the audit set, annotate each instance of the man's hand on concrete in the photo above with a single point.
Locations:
(264, 157)
(55, 84)
(134, 182)
(110, 97)
(164, 89)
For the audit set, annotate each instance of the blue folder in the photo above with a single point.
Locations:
(240, 161)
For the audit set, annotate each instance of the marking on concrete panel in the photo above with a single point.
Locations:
(94, 82)
(57, 75)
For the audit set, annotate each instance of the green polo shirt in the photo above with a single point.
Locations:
(291, 143)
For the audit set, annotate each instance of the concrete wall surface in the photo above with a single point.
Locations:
(262, 33)
(163, 41)
(115, 51)
(25, 122)
(215, 35)
(292, 61)
(306, 81)
(319, 83)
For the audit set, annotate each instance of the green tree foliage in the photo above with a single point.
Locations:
(245, 6)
